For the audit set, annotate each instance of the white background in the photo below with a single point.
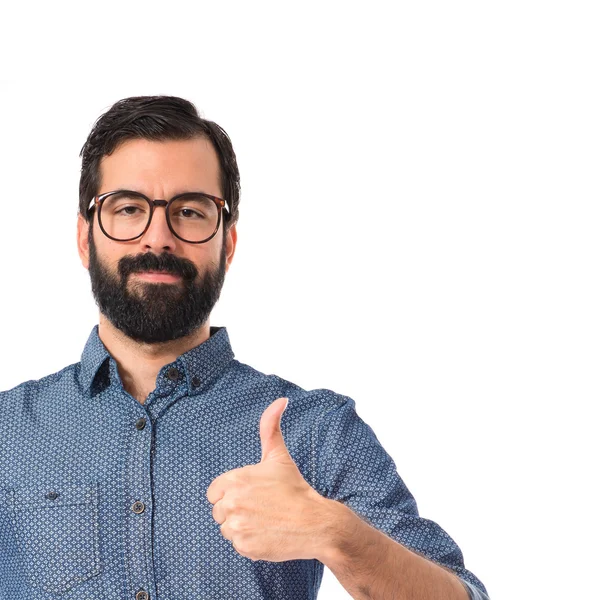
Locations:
(418, 230)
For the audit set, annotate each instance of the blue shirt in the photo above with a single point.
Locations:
(104, 498)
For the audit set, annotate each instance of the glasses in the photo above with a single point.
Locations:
(193, 217)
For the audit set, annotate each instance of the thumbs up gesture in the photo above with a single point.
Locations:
(267, 510)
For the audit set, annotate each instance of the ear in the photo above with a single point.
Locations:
(83, 246)
(231, 241)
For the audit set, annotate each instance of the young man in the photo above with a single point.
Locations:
(161, 467)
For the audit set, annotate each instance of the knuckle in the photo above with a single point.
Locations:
(234, 504)
(235, 523)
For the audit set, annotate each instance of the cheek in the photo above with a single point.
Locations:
(108, 253)
(209, 255)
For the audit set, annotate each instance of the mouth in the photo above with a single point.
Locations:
(157, 276)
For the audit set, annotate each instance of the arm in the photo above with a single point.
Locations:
(374, 516)
(372, 566)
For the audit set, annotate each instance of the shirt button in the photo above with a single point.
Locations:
(52, 495)
(195, 381)
(142, 595)
(140, 423)
(173, 375)
(138, 507)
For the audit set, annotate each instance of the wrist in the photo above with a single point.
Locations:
(338, 522)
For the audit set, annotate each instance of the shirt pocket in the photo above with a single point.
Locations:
(56, 528)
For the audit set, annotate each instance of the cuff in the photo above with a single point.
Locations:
(474, 593)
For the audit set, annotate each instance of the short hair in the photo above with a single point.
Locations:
(156, 118)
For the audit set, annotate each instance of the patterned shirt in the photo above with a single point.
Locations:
(104, 498)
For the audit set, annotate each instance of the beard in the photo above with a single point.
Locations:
(154, 312)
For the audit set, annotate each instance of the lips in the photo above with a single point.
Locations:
(157, 276)
(157, 273)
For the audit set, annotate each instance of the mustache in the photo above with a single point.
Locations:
(164, 263)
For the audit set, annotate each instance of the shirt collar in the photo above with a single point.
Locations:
(202, 364)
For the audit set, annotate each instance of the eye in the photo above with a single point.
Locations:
(189, 212)
(126, 208)
(194, 207)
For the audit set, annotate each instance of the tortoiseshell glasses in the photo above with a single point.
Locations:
(124, 215)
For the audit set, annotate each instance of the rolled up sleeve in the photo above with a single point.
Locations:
(352, 467)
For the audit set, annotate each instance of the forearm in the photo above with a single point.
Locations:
(372, 566)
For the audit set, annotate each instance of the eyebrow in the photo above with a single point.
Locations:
(123, 189)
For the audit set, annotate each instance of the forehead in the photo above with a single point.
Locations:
(166, 165)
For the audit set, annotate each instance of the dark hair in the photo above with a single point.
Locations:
(156, 118)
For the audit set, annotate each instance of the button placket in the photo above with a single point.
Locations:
(139, 533)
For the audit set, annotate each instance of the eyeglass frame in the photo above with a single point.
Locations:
(97, 200)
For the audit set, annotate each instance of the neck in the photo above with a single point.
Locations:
(138, 363)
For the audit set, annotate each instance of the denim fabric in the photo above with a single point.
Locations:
(104, 498)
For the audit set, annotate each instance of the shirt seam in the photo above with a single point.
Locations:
(314, 450)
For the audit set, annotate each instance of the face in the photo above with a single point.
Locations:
(146, 309)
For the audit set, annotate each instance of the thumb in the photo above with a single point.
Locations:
(271, 438)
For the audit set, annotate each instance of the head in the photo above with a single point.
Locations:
(161, 147)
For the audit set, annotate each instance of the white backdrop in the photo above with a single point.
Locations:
(418, 230)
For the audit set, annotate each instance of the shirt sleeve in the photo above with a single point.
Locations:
(353, 467)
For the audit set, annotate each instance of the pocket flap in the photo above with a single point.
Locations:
(48, 495)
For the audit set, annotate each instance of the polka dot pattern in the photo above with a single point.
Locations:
(104, 498)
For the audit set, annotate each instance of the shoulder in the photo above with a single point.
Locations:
(320, 400)
(30, 391)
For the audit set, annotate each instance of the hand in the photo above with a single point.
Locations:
(268, 510)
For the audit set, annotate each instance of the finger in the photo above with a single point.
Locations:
(226, 532)
(219, 512)
(215, 491)
(227, 481)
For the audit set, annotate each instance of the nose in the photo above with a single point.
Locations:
(158, 236)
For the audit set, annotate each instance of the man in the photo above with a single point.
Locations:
(159, 467)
